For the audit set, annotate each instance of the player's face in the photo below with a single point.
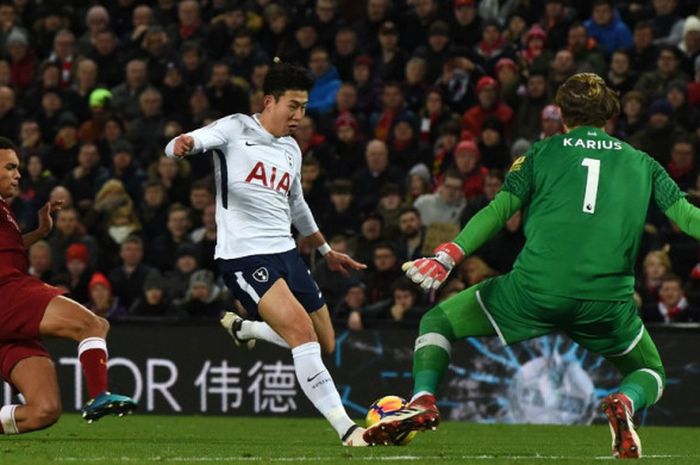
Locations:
(9, 173)
(285, 113)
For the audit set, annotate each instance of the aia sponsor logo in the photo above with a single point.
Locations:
(270, 177)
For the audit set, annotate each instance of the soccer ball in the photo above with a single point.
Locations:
(383, 407)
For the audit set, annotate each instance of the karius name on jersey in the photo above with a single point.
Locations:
(592, 144)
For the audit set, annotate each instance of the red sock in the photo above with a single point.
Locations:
(93, 357)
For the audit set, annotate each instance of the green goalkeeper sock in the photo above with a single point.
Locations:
(642, 387)
(433, 348)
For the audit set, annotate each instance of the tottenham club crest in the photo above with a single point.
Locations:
(290, 159)
(261, 275)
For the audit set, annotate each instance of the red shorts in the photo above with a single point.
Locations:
(23, 302)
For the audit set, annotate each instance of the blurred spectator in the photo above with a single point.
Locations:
(660, 132)
(419, 182)
(385, 271)
(79, 272)
(436, 51)
(185, 264)
(153, 301)
(562, 67)
(349, 310)
(552, 123)
(125, 96)
(607, 28)
(30, 140)
(102, 302)
(97, 20)
(588, 57)
(489, 105)
(433, 115)
(526, 120)
(390, 203)
(84, 180)
(365, 83)
(414, 23)
(492, 184)
(68, 230)
(346, 150)
(36, 183)
(392, 104)
(672, 306)
(204, 298)
(311, 142)
(653, 84)
(415, 83)
(369, 180)
(445, 205)
(10, 117)
(146, 131)
(405, 147)
(492, 46)
(224, 26)
(109, 58)
(326, 82)
(64, 153)
(178, 228)
(190, 26)
(371, 234)
(492, 145)
(404, 309)
(632, 119)
(467, 165)
(411, 235)
(474, 270)
(225, 96)
(173, 174)
(656, 264)
(40, 262)
(684, 114)
(332, 284)
(125, 169)
(465, 23)
(313, 185)
(244, 54)
(682, 166)
(644, 51)
(128, 278)
(341, 217)
(508, 76)
(156, 50)
(345, 51)
(22, 59)
(621, 77)
(205, 237)
(533, 55)
(201, 196)
(556, 21)
(153, 210)
(668, 26)
(305, 38)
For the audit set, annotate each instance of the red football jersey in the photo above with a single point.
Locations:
(13, 259)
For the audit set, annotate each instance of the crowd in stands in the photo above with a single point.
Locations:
(418, 109)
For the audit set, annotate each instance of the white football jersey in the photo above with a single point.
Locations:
(258, 187)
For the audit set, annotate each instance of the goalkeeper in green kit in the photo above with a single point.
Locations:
(584, 197)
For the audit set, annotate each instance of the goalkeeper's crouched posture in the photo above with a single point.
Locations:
(584, 197)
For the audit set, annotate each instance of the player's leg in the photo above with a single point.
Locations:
(35, 378)
(323, 326)
(642, 386)
(286, 316)
(68, 319)
(458, 317)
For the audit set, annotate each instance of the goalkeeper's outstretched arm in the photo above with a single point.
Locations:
(431, 272)
(686, 216)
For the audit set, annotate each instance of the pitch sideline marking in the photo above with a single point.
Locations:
(370, 458)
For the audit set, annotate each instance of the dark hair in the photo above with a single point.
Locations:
(453, 173)
(133, 239)
(202, 184)
(286, 76)
(409, 209)
(7, 144)
(672, 277)
(404, 284)
(585, 100)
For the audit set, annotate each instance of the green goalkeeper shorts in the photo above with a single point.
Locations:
(610, 328)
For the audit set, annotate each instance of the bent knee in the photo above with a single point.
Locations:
(44, 415)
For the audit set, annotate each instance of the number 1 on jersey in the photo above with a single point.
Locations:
(591, 193)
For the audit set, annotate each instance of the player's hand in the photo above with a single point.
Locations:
(338, 261)
(431, 272)
(183, 145)
(45, 219)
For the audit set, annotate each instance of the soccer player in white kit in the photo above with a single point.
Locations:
(257, 168)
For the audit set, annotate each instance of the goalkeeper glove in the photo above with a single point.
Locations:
(431, 272)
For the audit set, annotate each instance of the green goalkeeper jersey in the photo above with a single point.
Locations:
(585, 197)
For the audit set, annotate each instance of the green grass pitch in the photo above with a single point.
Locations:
(150, 439)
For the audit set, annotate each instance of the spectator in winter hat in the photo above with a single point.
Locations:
(551, 121)
(102, 302)
(489, 104)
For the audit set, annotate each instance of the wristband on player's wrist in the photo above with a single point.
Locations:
(324, 248)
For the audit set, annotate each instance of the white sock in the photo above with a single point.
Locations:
(317, 384)
(261, 330)
(418, 394)
(7, 419)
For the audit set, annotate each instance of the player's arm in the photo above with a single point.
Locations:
(303, 221)
(217, 134)
(45, 223)
(431, 272)
(671, 200)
